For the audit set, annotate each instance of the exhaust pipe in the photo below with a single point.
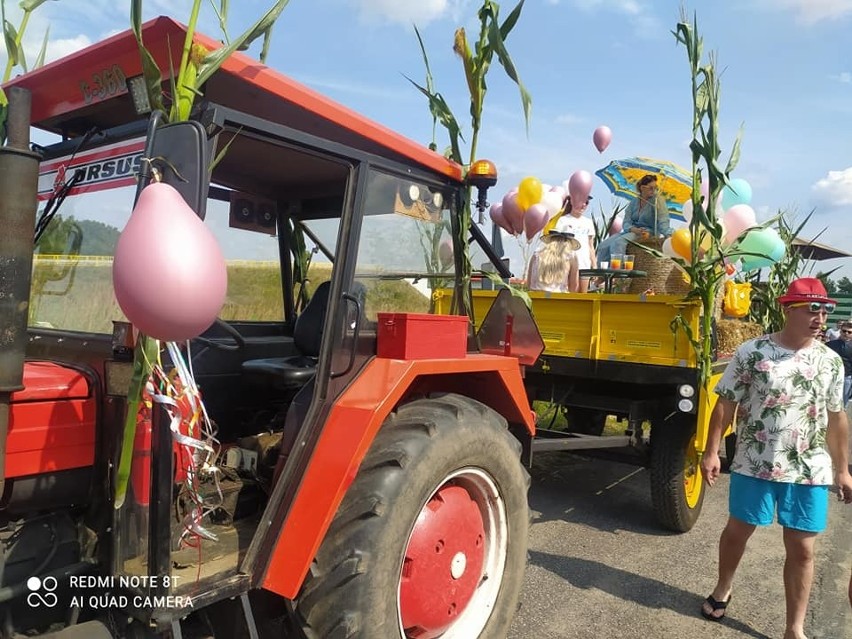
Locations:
(18, 193)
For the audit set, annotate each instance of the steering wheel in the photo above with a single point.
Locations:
(239, 340)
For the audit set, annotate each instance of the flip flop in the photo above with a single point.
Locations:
(715, 605)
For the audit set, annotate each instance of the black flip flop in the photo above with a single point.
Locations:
(715, 605)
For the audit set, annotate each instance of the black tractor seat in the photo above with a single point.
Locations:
(280, 372)
(287, 373)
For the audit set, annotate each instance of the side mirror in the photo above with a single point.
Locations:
(180, 153)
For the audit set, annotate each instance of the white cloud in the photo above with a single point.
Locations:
(418, 12)
(834, 190)
(844, 77)
(568, 119)
(65, 46)
(639, 11)
(812, 11)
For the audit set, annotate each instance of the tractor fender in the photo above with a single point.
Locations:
(352, 424)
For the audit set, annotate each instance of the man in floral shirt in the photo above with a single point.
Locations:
(792, 439)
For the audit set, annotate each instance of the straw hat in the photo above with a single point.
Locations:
(563, 237)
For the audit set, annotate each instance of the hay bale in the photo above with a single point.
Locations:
(733, 332)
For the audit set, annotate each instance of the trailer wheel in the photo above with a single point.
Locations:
(677, 486)
(431, 538)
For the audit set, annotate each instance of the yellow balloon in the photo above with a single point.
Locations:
(682, 243)
(529, 192)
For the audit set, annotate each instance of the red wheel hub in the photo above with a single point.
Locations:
(443, 563)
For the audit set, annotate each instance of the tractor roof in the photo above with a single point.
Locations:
(87, 89)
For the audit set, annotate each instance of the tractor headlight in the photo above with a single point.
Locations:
(685, 390)
(685, 405)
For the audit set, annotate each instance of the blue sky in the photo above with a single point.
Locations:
(787, 77)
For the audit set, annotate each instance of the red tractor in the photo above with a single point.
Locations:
(364, 475)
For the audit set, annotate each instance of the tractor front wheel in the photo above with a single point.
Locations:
(431, 538)
(677, 485)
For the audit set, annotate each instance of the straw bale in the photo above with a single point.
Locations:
(733, 332)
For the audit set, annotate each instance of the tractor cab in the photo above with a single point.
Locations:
(341, 242)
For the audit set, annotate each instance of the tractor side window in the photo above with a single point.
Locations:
(72, 267)
(405, 251)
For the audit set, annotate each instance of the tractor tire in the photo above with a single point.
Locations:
(677, 485)
(586, 421)
(431, 537)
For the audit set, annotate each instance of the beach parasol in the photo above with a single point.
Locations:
(812, 250)
(674, 182)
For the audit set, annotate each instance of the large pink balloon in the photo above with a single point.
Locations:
(579, 186)
(169, 274)
(534, 220)
(513, 213)
(738, 219)
(602, 137)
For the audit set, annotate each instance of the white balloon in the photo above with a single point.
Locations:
(552, 202)
(687, 210)
(667, 248)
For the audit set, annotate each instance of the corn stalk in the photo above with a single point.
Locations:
(197, 64)
(15, 57)
(476, 63)
(706, 267)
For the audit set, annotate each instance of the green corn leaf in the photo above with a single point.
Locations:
(439, 107)
(43, 51)
(30, 5)
(222, 15)
(267, 40)
(216, 59)
(495, 41)
(510, 22)
(22, 58)
(735, 152)
(11, 36)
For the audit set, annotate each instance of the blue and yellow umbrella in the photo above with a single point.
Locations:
(674, 182)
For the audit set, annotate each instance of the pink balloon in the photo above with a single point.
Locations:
(534, 220)
(602, 137)
(738, 219)
(513, 213)
(579, 186)
(498, 218)
(616, 226)
(169, 275)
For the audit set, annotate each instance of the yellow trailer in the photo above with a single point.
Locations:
(628, 356)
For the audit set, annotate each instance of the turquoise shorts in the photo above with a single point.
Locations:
(799, 506)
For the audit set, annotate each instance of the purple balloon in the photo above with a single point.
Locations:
(602, 137)
(534, 220)
(580, 186)
(513, 213)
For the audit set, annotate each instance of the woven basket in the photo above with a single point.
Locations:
(664, 276)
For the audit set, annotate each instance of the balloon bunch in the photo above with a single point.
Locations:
(756, 247)
(528, 208)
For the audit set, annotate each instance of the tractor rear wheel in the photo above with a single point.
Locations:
(431, 538)
(677, 485)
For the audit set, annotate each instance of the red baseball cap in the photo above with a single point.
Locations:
(806, 289)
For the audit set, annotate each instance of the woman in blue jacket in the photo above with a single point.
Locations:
(645, 216)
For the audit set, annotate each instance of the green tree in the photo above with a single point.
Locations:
(830, 284)
(844, 286)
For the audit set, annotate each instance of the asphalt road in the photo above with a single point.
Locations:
(601, 567)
